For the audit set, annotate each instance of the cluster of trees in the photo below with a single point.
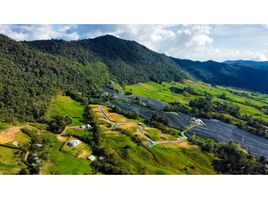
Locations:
(35, 151)
(189, 90)
(233, 159)
(161, 122)
(128, 114)
(58, 123)
(157, 118)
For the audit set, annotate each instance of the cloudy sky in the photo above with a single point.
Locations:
(196, 42)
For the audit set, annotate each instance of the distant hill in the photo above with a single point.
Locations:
(249, 63)
(233, 75)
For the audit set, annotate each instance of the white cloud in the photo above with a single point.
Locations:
(38, 32)
(197, 42)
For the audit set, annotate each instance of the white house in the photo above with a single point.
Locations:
(92, 157)
(74, 143)
(197, 121)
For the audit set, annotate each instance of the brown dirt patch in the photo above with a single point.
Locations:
(116, 117)
(62, 138)
(128, 126)
(185, 144)
(9, 135)
(84, 154)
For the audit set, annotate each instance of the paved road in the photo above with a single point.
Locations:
(104, 115)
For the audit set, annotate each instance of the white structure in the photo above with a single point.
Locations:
(86, 126)
(15, 143)
(197, 121)
(92, 157)
(74, 143)
(39, 145)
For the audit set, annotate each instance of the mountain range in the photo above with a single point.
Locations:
(32, 71)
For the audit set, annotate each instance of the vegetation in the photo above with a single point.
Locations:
(233, 159)
(199, 99)
(125, 153)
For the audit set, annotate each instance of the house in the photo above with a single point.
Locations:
(37, 160)
(74, 143)
(83, 126)
(91, 157)
(101, 158)
(15, 143)
(197, 121)
(86, 126)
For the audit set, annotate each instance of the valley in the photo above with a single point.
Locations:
(112, 106)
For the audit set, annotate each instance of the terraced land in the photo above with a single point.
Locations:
(129, 148)
(216, 129)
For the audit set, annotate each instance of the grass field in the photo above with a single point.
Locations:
(162, 92)
(10, 161)
(64, 105)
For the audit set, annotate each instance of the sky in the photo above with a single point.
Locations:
(195, 42)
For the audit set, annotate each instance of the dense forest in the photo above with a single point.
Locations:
(28, 79)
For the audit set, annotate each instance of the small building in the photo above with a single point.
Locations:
(74, 143)
(37, 160)
(83, 126)
(15, 143)
(197, 121)
(101, 158)
(39, 145)
(91, 157)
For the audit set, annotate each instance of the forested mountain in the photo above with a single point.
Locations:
(29, 77)
(227, 74)
(31, 72)
(128, 61)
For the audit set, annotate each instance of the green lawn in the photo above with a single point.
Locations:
(75, 132)
(64, 105)
(10, 161)
(77, 150)
(63, 163)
